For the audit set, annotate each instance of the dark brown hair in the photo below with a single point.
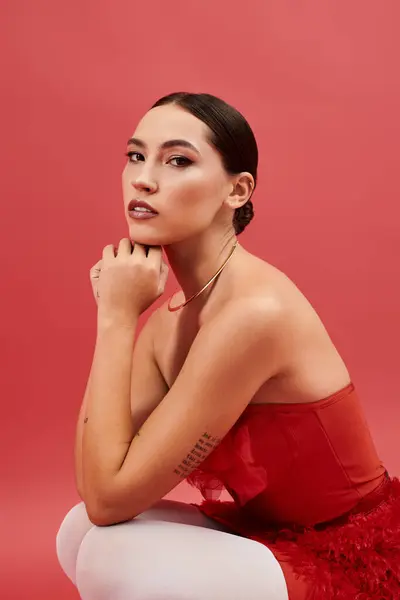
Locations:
(231, 136)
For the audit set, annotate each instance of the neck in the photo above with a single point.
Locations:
(194, 261)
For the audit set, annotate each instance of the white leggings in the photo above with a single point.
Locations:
(170, 552)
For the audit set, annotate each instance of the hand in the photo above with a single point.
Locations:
(126, 282)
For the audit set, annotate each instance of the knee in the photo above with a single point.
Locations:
(73, 529)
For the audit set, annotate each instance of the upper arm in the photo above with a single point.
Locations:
(229, 360)
(148, 386)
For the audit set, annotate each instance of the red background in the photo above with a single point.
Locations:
(320, 84)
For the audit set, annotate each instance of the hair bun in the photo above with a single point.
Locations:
(243, 216)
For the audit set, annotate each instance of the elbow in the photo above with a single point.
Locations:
(96, 514)
(80, 493)
(95, 509)
(99, 516)
(106, 517)
(99, 519)
(105, 514)
(91, 504)
(115, 504)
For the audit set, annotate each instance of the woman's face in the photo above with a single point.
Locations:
(184, 181)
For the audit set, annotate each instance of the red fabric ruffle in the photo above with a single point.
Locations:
(208, 484)
(233, 463)
(356, 557)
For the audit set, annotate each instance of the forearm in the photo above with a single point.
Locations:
(108, 430)
(78, 442)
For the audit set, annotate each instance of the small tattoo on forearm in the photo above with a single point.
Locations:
(198, 453)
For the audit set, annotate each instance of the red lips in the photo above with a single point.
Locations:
(141, 204)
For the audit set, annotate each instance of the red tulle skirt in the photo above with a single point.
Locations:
(354, 557)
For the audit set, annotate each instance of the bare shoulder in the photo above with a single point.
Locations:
(311, 366)
(268, 284)
(244, 313)
(265, 286)
(256, 306)
(257, 294)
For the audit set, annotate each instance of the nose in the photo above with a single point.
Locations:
(144, 182)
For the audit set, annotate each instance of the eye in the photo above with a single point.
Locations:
(131, 154)
(186, 161)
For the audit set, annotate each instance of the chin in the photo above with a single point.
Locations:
(148, 235)
(146, 238)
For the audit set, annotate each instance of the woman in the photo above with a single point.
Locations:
(234, 382)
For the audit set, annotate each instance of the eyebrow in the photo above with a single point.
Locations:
(167, 144)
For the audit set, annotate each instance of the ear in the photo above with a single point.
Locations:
(242, 189)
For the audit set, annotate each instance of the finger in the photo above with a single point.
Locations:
(96, 269)
(125, 246)
(154, 256)
(164, 274)
(109, 252)
(163, 278)
(140, 250)
(97, 265)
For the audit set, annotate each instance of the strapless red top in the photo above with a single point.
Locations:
(301, 470)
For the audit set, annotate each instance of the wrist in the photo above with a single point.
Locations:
(107, 321)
